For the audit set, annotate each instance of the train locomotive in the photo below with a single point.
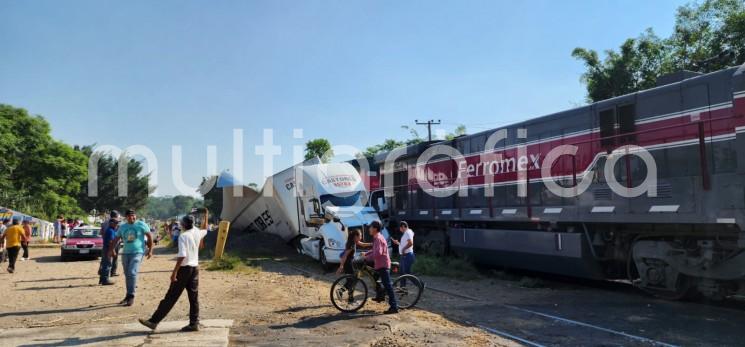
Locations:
(683, 235)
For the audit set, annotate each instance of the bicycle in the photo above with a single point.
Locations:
(349, 292)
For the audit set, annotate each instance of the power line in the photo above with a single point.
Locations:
(429, 124)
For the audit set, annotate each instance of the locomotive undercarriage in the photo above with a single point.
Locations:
(669, 261)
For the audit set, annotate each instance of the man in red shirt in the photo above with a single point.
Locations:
(379, 256)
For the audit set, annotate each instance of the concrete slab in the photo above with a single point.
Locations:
(214, 333)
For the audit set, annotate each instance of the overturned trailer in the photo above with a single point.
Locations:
(312, 206)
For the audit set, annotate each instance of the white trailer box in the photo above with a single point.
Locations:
(312, 205)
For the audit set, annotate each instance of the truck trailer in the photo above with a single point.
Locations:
(311, 206)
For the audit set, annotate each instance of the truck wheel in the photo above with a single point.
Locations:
(298, 246)
(322, 257)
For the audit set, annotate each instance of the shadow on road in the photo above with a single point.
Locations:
(300, 308)
(61, 310)
(60, 287)
(111, 339)
(59, 279)
(317, 321)
(76, 341)
(47, 259)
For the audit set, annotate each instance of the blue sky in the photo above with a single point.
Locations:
(163, 73)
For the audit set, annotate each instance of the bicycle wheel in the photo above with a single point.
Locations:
(348, 293)
(408, 293)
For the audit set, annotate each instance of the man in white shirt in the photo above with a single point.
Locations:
(185, 276)
(405, 249)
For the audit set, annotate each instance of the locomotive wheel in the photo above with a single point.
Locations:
(684, 289)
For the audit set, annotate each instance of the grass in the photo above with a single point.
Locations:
(232, 263)
(445, 267)
(522, 281)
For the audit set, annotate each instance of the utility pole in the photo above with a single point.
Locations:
(429, 124)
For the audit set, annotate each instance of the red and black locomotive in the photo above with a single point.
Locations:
(491, 201)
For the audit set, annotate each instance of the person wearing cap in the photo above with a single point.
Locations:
(107, 261)
(133, 234)
(104, 227)
(185, 275)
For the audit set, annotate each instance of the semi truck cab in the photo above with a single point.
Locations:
(332, 200)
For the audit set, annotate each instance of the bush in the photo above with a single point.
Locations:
(531, 282)
(445, 267)
(234, 264)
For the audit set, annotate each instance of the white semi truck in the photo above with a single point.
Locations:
(311, 205)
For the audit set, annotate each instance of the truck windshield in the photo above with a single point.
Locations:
(341, 200)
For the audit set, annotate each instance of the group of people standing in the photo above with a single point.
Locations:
(62, 227)
(136, 242)
(379, 258)
(13, 238)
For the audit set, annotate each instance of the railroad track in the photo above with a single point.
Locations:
(515, 336)
(555, 318)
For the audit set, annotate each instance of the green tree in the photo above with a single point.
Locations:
(212, 200)
(391, 144)
(159, 208)
(320, 148)
(38, 174)
(182, 203)
(167, 207)
(635, 66)
(460, 130)
(386, 146)
(707, 37)
(107, 198)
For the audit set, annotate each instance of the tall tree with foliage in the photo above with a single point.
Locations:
(107, 198)
(707, 37)
(167, 207)
(38, 174)
(212, 200)
(320, 148)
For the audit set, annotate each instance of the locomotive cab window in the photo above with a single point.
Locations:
(607, 120)
(627, 122)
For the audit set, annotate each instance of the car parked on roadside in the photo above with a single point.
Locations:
(82, 242)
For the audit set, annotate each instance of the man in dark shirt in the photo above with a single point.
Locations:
(104, 271)
(104, 226)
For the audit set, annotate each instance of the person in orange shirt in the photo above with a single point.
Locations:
(27, 234)
(13, 236)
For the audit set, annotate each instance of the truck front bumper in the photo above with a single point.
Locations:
(333, 255)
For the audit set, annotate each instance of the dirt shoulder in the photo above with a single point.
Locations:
(275, 306)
